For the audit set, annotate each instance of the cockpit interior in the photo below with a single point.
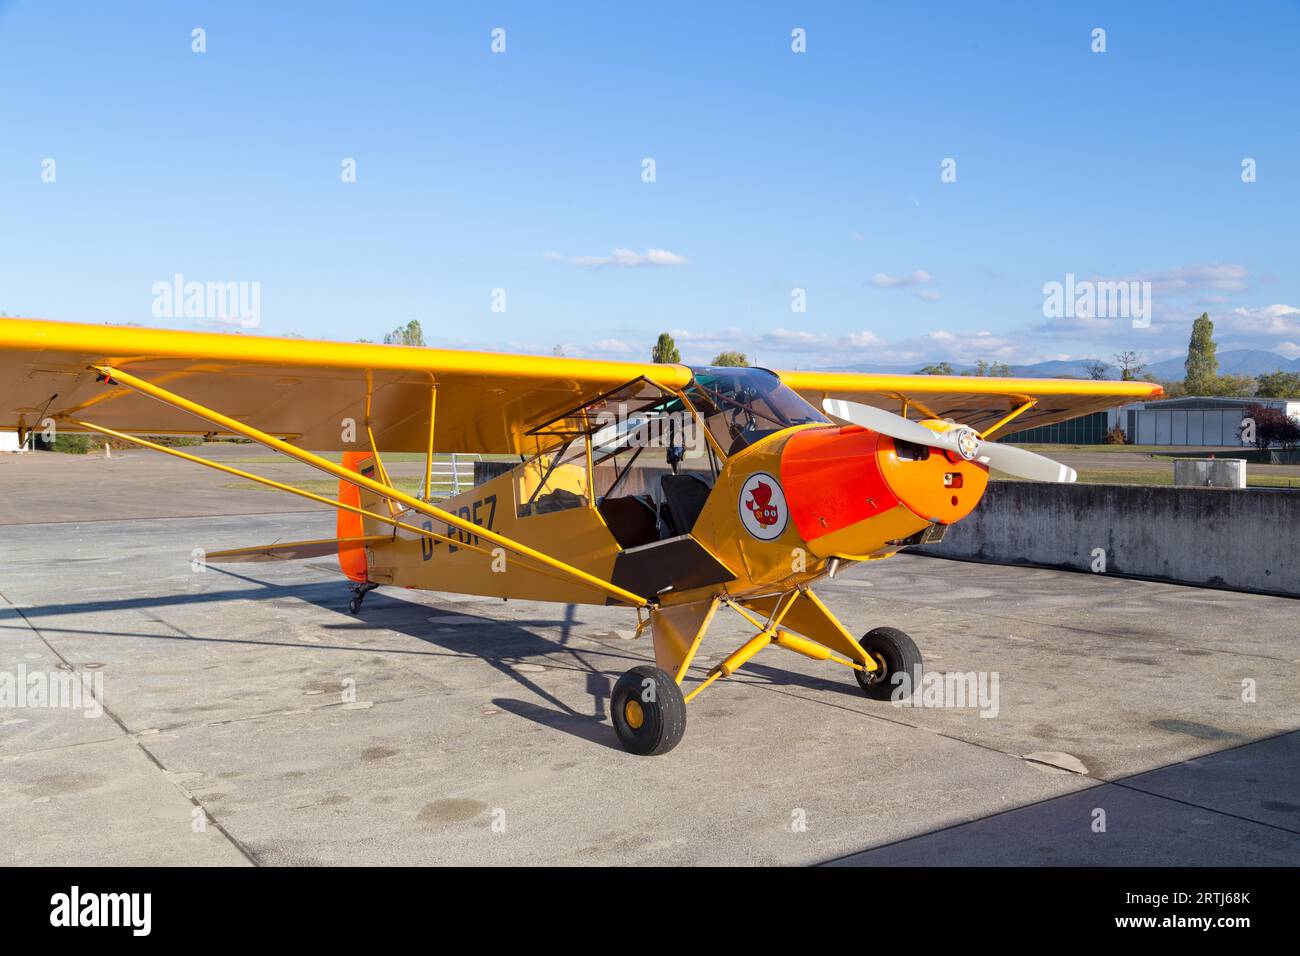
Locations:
(648, 458)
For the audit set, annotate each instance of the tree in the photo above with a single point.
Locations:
(943, 368)
(730, 359)
(990, 369)
(1096, 370)
(1278, 385)
(1230, 386)
(1272, 427)
(412, 334)
(1131, 366)
(1202, 364)
(665, 350)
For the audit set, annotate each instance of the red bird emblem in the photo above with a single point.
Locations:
(760, 503)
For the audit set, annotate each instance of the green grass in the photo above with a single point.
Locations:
(71, 444)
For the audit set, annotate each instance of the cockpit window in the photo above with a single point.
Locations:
(741, 405)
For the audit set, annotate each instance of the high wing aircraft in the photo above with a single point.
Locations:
(675, 491)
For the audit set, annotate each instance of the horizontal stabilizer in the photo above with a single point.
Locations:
(290, 550)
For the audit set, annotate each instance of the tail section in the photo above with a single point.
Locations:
(351, 526)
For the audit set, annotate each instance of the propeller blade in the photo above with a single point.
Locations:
(886, 423)
(1024, 464)
(1008, 458)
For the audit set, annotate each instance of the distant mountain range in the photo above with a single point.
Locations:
(1231, 362)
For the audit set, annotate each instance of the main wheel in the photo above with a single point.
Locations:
(894, 653)
(648, 710)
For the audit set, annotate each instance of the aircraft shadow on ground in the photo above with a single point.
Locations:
(504, 644)
(1234, 807)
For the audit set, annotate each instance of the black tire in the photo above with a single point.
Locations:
(647, 694)
(354, 606)
(899, 655)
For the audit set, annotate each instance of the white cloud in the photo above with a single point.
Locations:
(965, 347)
(710, 339)
(1275, 319)
(794, 337)
(1177, 296)
(624, 258)
(882, 281)
(900, 343)
(866, 339)
(802, 348)
(1223, 276)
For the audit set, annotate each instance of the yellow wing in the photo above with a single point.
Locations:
(297, 389)
(987, 404)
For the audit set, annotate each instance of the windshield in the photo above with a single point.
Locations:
(741, 405)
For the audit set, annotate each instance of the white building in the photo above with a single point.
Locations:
(8, 441)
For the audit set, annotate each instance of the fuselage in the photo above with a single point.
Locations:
(759, 516)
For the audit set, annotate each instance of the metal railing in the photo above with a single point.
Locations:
(452, 476)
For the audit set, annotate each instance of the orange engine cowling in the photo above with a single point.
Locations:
(352, 558)
(852, 490)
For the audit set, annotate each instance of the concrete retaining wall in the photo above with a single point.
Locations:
(1247, 539)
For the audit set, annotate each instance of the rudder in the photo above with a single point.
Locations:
(352, 558)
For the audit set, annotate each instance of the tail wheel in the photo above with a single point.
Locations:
(894, 653)
(648, 710)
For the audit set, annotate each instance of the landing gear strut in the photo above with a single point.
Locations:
(648, 708)
(359, 592)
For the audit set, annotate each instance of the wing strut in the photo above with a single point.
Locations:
(428, 458)
(1015, 413)
(119, 377)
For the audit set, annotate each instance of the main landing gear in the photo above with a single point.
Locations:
(359, 592)
(648, 707)
(648, 710)
(895, 653)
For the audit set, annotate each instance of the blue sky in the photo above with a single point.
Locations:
(774, 171)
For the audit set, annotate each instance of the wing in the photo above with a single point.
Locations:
(297, 389)
(980, 402)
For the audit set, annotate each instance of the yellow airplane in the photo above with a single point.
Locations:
(676, 491)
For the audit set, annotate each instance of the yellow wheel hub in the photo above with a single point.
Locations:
(633, 714)
(877, 675)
